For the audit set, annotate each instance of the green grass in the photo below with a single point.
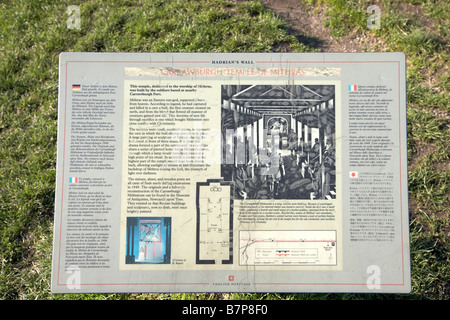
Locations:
(33, 33)
(32, 36)
(420, 29)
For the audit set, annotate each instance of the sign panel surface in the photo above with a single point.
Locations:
(231, 173)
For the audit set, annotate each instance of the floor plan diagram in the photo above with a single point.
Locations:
(214, 222)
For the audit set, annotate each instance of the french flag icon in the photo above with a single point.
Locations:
(73, 180)
(352, 87)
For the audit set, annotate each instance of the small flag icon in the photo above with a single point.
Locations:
(353, 174)
(76, 87)
(73, 180)
(352, 87)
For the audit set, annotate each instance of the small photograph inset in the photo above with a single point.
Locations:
(148, 240)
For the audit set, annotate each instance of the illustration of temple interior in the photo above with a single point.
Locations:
(214, 222)
(148, 240)
(278, 141)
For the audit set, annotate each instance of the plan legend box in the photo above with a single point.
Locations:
(294, 248)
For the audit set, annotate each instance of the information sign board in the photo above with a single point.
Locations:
(244, 172)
